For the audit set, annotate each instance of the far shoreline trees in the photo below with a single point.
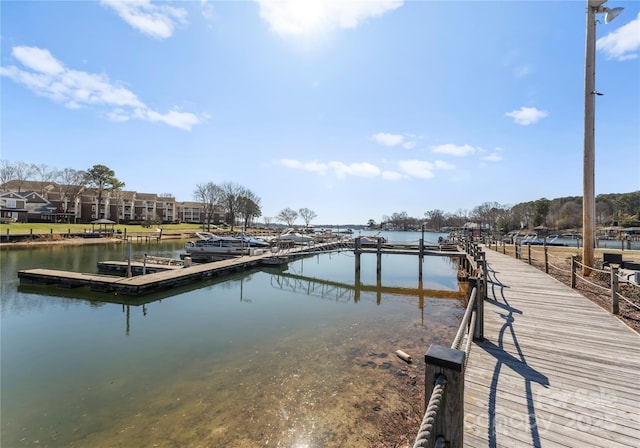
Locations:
(242, 205)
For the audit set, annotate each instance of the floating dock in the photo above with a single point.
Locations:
(166, 275)
(161, 276)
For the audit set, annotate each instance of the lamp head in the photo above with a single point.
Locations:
(612, 14)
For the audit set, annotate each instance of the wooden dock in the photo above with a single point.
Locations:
(163, 276)
(554, 370)
(160, 276)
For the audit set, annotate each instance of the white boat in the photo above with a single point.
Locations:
(371, 240)
(296, 237)
(209, 243)
(250, 241)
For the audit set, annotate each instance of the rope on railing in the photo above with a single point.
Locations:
(472, 329)
(628, 301)
(467, 327)
(630, 285)
(426, 427)
(465, 320)
(584, 279)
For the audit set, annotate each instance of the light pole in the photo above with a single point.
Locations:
(588, 199)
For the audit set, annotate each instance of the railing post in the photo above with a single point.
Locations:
(357, 253)
(478, 306)
(614, 290)
(449, 420)
(546, 259)
(573, 272)
(529, 253)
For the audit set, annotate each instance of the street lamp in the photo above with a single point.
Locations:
(588, 199)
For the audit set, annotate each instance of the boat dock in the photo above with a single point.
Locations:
(168, 274)
(158, 276)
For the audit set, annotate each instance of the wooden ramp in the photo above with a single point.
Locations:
(555, 369)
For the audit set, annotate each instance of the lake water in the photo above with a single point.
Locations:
(290, 358)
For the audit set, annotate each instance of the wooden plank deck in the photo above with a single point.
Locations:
(555, 369)
(151, 282)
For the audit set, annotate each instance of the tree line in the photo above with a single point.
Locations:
(615, 209)
(240, 204)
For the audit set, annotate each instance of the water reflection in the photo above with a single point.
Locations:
(231, 362)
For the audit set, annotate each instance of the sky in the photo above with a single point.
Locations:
(355, 110)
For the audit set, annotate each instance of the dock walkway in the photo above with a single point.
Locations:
(554, 370)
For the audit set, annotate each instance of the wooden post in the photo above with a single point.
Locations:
(420, 259)
(573, 271)
(449, 421)
(129, 261)
(546, 259)
(357, 252)
(615, 309)
(379, 259)
(529, 252)
(478, 306)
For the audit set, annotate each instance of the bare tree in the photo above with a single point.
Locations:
(20, 173)
(231, 194)
(44, 174)
(248, 207)
(307, 215)
(72, 183)
(400, 220)
(435, 219)
(287, 215)
(7, 172)
(210, 195)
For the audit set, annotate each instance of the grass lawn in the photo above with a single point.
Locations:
(50, 228)
(36, 228)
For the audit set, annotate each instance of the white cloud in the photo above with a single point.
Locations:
(76, 89)
(207, 10)
(442, 165)
(296, 17)
(354, 169)
(155, 20)
(406, 168)
(417, 168)
(527, 115)
(454, 150)
(314, 166)
(388, 139)
(392, 175)
(339, 169)
(623, 43)
(38, 59)
(409, 145)
(492, 157)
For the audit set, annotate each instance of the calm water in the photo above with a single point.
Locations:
(292, 358)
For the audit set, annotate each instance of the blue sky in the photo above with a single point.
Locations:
(354, 110)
